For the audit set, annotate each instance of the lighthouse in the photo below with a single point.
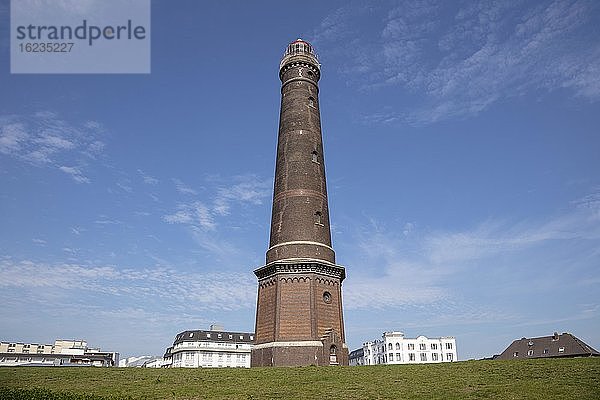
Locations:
(299, 316)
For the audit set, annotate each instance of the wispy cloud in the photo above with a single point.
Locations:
(183, 188)
(149, 180)
(75, 173)
(208, 291)
(195, 214)
(248, 189)
(44, 139)
(457, 60)
(402, 268)
(104, 220)
(240, 191)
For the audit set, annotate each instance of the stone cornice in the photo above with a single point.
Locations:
(301, 266)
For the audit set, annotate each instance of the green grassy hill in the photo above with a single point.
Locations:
(532, 379)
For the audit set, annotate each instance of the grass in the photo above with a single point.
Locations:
(532, 379)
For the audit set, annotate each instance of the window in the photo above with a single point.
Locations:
(398, 357)
(434, 357)
(411, 356)
(397, 346)
(315, 156)
(411, 346)
(433, 346)
(516, 354)
(208, 335)
(423, 356)
(546, 351)
(251, 337)
(230, 336)
(448, 346)
(422, 346)
(191, 334)
(391, 357)
(390, 346)
(327, 297)
(561, 349)
(318, 216)
(449, 357)
(311, 102)
(530, 352)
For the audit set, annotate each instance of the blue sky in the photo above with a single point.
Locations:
(462, 150)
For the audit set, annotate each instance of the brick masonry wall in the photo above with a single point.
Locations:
(266, 311)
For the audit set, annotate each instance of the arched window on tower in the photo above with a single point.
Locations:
(311, 101)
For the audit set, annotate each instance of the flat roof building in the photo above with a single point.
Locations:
(61, 353)
(395, 348)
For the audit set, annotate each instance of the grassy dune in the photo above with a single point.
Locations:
(533, 379)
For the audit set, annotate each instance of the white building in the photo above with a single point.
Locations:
(395, 348)
(61, 353)
(210, 349)
(142, 362)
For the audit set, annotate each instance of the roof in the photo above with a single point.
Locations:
(564, 345)
(214, 336)
(357, 353)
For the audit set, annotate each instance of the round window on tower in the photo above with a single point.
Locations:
(327, 297)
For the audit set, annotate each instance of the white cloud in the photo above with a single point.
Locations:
(183, 188)
(398, 270)
(248, 190)
(194, 214)
(149, 180)
(54, 142)
(75, 173)
(193, 291)
(457, 60)
(43, 139)
(12, 137)
(103, 220)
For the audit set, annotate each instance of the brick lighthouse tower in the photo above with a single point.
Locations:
(299, 310)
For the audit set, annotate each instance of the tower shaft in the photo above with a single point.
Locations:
(299, 309)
